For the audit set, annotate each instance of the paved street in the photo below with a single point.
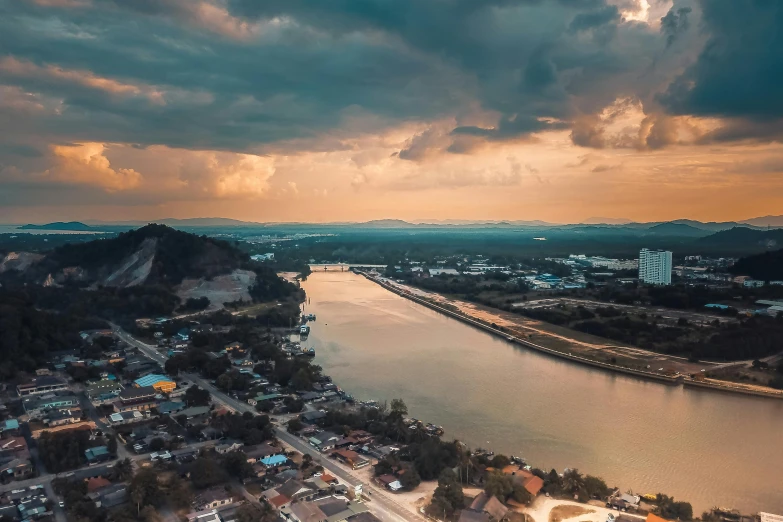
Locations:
(382, 504)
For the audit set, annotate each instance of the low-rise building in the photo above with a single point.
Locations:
(61, 418)
(125, 417)
(213, 498)
(109, 496)
(136, 399)
(37, 406)
(97, 454)
(161, 383)
(351, 458)
(103, 391)
(41, 385)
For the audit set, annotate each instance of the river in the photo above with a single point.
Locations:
(709, 448)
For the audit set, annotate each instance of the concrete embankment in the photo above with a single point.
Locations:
(564, 355)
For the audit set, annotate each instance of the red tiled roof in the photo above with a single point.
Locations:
(533, 485)
(279, 500)
(97, 483)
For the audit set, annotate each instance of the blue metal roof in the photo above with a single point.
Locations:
(11, 424)
(151, 380)
(273, 460)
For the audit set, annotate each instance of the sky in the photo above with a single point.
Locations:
(352, 110)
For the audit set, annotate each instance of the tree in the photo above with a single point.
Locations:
(573, 481)
(498, 485)
(301, 380)
(179, 494)
(206, 472)
(595, 487)
(224, 382)
(448, 496)
(176, 364)
(144, 490)
(157, 444)
(236, 465)
(295, 425)
(195, 396)
(410, 479)
(398, 409)
(123, 470)
(499, 461)
(520, 494)
(293, 404)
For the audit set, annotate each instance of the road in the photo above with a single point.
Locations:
(382, 505)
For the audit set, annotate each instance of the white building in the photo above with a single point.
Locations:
(655, 267)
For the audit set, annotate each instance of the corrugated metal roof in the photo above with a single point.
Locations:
(151, 380)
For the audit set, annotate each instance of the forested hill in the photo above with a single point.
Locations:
(765, 267)
(154, 254)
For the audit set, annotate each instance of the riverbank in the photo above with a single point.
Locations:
(506, 333)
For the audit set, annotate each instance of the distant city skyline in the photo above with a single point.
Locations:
(646, 110)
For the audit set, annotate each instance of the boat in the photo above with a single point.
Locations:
(308, 351)
(304, 330)
(311, 317)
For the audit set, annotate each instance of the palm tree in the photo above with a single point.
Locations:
(123, 470)
(573, 481)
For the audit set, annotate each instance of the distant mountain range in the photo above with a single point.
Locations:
(678, 227)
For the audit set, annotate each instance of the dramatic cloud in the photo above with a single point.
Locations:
(149, 102)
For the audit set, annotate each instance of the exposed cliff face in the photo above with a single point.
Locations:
(134, 269)
(19, 261)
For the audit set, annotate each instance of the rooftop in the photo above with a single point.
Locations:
(151, 380)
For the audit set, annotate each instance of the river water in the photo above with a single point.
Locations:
(709, 448)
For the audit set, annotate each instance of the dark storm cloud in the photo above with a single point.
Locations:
(265, 72)
(740, 70)
(235, 75)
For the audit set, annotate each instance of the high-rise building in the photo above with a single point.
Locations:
(655, 267)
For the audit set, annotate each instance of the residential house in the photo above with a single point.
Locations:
(532, 483)
(273, 461)
(389, 481)
(103, 391)
(37, 406)
(489, 505)
(16, 468)
(15, 447)
(9, 427)
(351, 458)
(32, 508)
(195, 414)
(97, 454)
(96, 483)
(256, 453)
(213, 498)
(161, 383)
(109, 496)
(332, 509)
(324, 441)
(264, 397)
(312, 417)
(292, 490)
(61, 418)
(170, 407)
(184, 455)
(41, 385)
(228, 447)
(126, 417)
